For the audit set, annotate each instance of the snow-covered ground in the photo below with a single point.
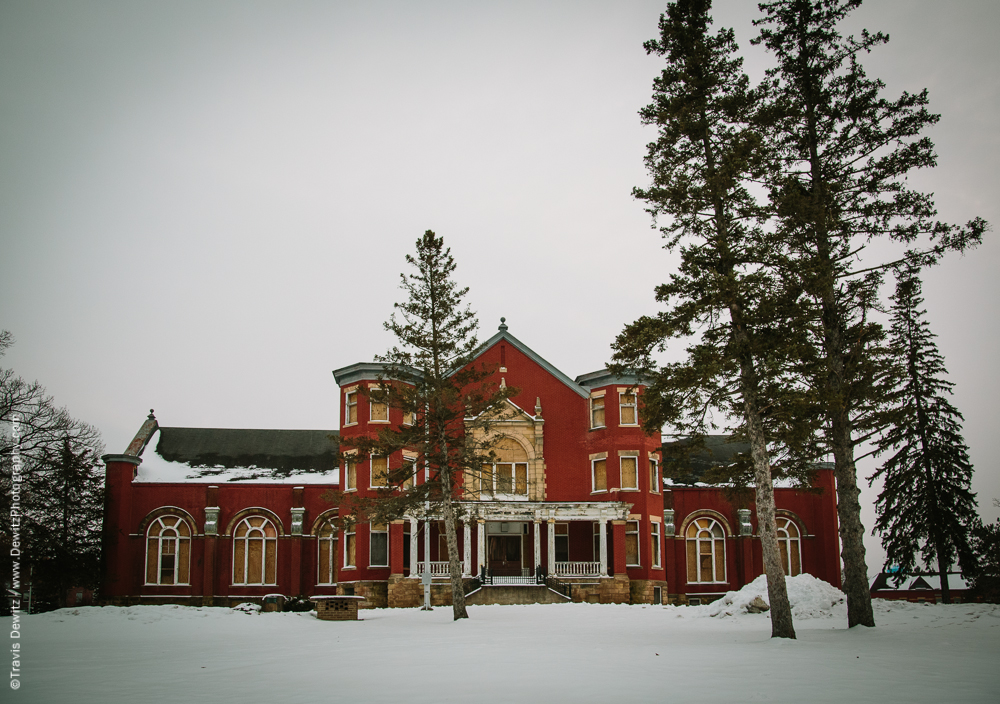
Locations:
(547, 653)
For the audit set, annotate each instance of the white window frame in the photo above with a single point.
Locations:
(654, 534)
(371, 472)
(350, 458)
(621, 471)
(622, 393)
(593, 475)
(371, 407)
(371, 533)
(497, 495)
(698, 540)
(638, 542)
(604, 406)
(782, 527)
(564, 536)
(350, 402)
(268, 544)
(410, 458)
(349, 534)
(176, 538)
(655, 480)
(328, 579)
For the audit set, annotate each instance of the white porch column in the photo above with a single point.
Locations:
(538, 543)
(480, 545)
(604, 546)
(427, 546)
(467, 547)
(552, 546)
(414, 548)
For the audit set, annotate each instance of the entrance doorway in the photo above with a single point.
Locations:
(504, 555)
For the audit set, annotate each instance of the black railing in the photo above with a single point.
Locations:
(487, 577)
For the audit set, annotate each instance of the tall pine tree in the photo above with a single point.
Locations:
(926, 505)
(449, 401)
(845, 152)
(706, 153)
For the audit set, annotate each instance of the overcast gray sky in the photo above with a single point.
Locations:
(204, 206)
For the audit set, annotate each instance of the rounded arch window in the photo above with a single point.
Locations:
(327, 541)
(255, 551)
(706, 551)
(508, 477)
(168, 551)
(789, 546)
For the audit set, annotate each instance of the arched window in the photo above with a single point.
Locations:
(168, 551)
(255, 543)
(327, 554)
(789, 546)
(706, 551)
(508, 478)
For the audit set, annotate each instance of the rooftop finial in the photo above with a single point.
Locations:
(151, 413)
(503, 325)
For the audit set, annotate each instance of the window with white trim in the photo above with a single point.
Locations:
(327, 559)
(562, 542)
(378, 545)
(627, 408)
(255, 551)
(789, 546)
(350, 547)
(508, 477)
(410, 466)
(632, 544)
(409, 418)
(630, 473)
(654, 476)
(599, 474)
(597, 411)
(351, 473)
(168, 551)
(379, 472)
(706, 551)
(378, 411)
(654, 539)
(350, 407)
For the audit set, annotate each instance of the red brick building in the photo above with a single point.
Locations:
(577, 496)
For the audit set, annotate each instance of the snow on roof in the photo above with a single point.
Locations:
(156, 468)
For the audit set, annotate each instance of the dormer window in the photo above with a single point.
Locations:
(627, 408)
(597, 410)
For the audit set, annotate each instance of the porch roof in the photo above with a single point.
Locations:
(538, 510)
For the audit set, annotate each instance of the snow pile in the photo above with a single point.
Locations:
(247, 608)
(809, 597)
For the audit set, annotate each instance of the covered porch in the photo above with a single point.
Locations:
(518, 543)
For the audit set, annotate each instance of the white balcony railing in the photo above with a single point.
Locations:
(438, 569)
(578, 569)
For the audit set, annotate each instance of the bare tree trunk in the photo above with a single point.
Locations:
(777, 594)
(852, 533)
(454, 564)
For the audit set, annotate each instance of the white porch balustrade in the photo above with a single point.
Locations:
(578, 569)
(438, 569)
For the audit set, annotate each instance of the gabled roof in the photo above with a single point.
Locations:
(283, 450)
(504, 335)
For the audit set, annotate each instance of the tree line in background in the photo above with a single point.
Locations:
(772, 194)
(57, 515)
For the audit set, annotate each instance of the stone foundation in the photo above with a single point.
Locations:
(641, 591)
(614, 590)
(376, 594)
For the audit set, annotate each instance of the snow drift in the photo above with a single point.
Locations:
(809, 597)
